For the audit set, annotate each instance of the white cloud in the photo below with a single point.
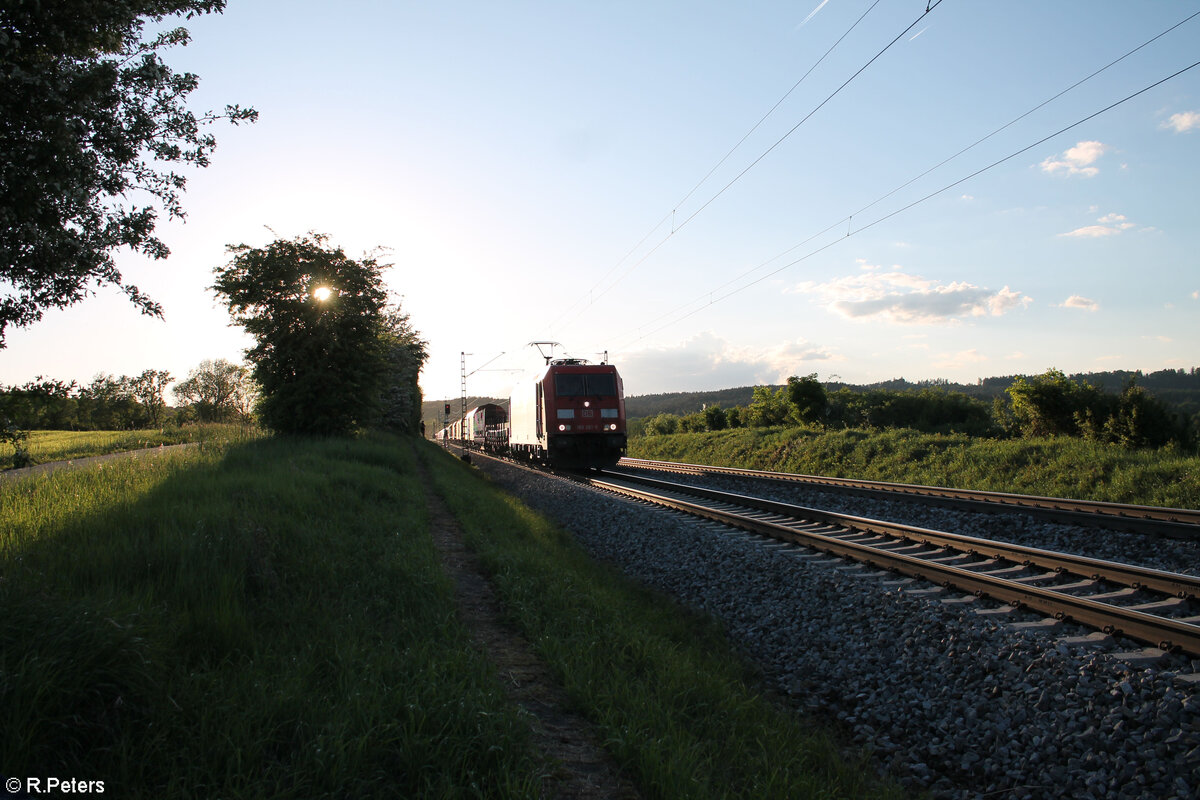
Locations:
(899, 297)
(1183, 122)
(1076, 301)
(1196, 295)
(1077, 160)
(1110, 225)
(707, 361)
(1092, 232)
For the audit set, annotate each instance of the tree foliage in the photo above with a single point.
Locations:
(405, 354)
(807, 397)
(107, 403)
(90, 116)
(1051, 404)
(320, 357)
(217, 391)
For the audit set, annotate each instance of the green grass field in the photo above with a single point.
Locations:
(1059, 467)
(45, 446)
(267, 618)
(259, 620)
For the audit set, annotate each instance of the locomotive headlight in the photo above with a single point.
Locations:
(562, 427)
(587, 403)
(612, 427)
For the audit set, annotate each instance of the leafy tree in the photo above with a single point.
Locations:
(41, 404)
(714, 418)
(148, 389)
(662, 425)
(807, 397)
(217, 390)
(768, 407)
(89, 113)
(1141, 420)
(1051, 404)
(405, 354)
(319, 322)
(108, 404)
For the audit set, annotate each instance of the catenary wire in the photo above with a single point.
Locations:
(947, 187)
(846, 220)
(591, 297)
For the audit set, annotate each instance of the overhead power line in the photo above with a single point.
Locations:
(846, 220)
(593, 295)
(947, 187)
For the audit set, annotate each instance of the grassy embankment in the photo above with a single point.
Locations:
(267, 619)
(260, 620)
(44, 446)
(673, 704)
(1058, 467)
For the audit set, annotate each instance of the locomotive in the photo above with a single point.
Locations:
(571, 416)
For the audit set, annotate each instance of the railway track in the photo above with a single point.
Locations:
(1152, 606)
(1179, 523)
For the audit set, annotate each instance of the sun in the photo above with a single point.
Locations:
(322, 293)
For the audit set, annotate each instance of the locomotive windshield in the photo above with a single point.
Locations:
(575, 385)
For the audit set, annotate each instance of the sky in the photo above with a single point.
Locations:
(710, 194)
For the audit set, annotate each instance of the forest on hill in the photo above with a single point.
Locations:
(1179, 389)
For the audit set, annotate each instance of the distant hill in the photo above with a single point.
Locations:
(1178, 388)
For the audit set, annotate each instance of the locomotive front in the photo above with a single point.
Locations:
(573, 419)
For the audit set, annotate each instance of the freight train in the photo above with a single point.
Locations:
(571, 416)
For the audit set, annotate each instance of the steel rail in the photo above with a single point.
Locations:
(1172, 583)
(1164, 632)
(1180, 523)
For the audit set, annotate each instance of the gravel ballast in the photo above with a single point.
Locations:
(947, 699)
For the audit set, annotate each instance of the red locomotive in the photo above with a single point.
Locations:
(571, 416)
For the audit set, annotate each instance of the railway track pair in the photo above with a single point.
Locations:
(1179, 523)
(1152, 606)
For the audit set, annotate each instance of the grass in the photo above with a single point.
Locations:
(1055, 467)
(44, 446)
(267, 618)
(675, 706)
(263, 619)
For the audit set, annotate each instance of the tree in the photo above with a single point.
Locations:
(217, 390)
(807, 397)
(89, 113)
(767, 407)
(714, 418)
(1051, 404)
(318, 319)
(148, 389)
(400, 403)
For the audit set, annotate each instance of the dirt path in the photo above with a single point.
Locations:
(567, 740)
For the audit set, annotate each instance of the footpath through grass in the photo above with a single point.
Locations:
(673, 703)
(268, 619)
(263, 619)
(45, 446)
(1057, 467)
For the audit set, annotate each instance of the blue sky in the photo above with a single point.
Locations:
(607, 176)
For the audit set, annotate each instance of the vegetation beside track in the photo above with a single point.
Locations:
(674, 704)
(44, 446)
(260, 619)
(266, 618)
(1056, 466)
